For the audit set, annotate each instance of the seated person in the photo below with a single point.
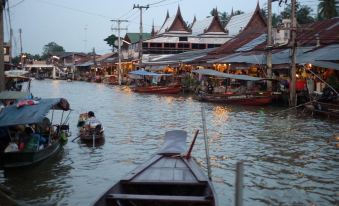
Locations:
(92, 121)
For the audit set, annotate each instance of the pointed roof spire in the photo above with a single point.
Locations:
(167, 15)
(153, 30)
(232, 13)
(215, 12)
(178, 23)
(194, 20)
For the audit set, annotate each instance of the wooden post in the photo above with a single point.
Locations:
(239, 183)
(2, 65)
(293, 95)
(206, 143)
(269, 45)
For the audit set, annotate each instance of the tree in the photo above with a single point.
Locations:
(327, 9)
(110, 41)
(303, 15)
(51, 48)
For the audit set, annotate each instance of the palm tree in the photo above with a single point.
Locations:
(327, 9)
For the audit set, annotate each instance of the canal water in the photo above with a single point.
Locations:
(287, 159)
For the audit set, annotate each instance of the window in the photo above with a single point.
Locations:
(156, 45)
(144, 45)
(183, 38)
(183, 45)
(169, 45)
(213, 45)
(198, 46)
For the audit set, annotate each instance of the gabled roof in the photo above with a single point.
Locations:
(174, 24)
(134, 37)
(254, 29)
(210, 24)
(242, 22)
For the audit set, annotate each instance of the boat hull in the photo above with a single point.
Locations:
(249, 100)
(175, 89)
(162, 180)
(23, 159)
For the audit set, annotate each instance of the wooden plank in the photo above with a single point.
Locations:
(142, 167)
(180, 163)
(166, 174)
(178, 174)
(167, 198)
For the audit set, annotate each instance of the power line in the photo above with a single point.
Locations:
(16, 4)
(74, 9)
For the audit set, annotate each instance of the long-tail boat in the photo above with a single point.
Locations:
(252, 98)
(169, 88)
(31, 112)
(168, 178)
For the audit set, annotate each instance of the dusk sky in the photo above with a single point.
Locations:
(81, 25)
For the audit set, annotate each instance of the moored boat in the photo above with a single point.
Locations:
(26, 148)
(250, 99)
(158, 86)
(169, 89)
(168, 178)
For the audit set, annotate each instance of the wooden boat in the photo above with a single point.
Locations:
(32, 115)
(330, 110)
(87, 134)
(169, 89)
(250, 99)
(168, 178)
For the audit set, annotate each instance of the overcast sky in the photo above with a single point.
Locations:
(81, 25)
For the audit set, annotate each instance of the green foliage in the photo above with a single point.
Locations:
(327, 9)
(51, 48)
(304, 15)
(110, 40)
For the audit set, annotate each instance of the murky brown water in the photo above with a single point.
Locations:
(287, 158)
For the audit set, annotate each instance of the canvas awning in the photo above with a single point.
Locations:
(174, 143)
(211, 72)
(30, 114)
(14, 95)
(146, 73)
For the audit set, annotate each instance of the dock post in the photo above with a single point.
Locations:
(239, 183)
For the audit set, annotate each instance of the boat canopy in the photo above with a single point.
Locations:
(174, 143)
(211, 72)
(146, 73)
(30, 114)
(14, 95)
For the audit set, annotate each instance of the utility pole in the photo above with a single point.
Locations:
(2, 65)
(293, 99)
(119, 45)
(269, 45)
(21, 59)
(140, 36)
(10, 35)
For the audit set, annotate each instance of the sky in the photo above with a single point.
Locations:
(81, 25)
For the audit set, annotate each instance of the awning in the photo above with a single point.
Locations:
(146, 73)
(325, 64)
(14, 95)
(174, 143)
(30, 114)
(211, 72)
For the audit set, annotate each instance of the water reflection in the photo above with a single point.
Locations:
(287, 158)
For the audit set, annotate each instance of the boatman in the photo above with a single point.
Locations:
(92, 121)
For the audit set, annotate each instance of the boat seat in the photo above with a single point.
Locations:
(158, 198)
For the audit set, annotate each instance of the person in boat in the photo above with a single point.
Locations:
(92, 121)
